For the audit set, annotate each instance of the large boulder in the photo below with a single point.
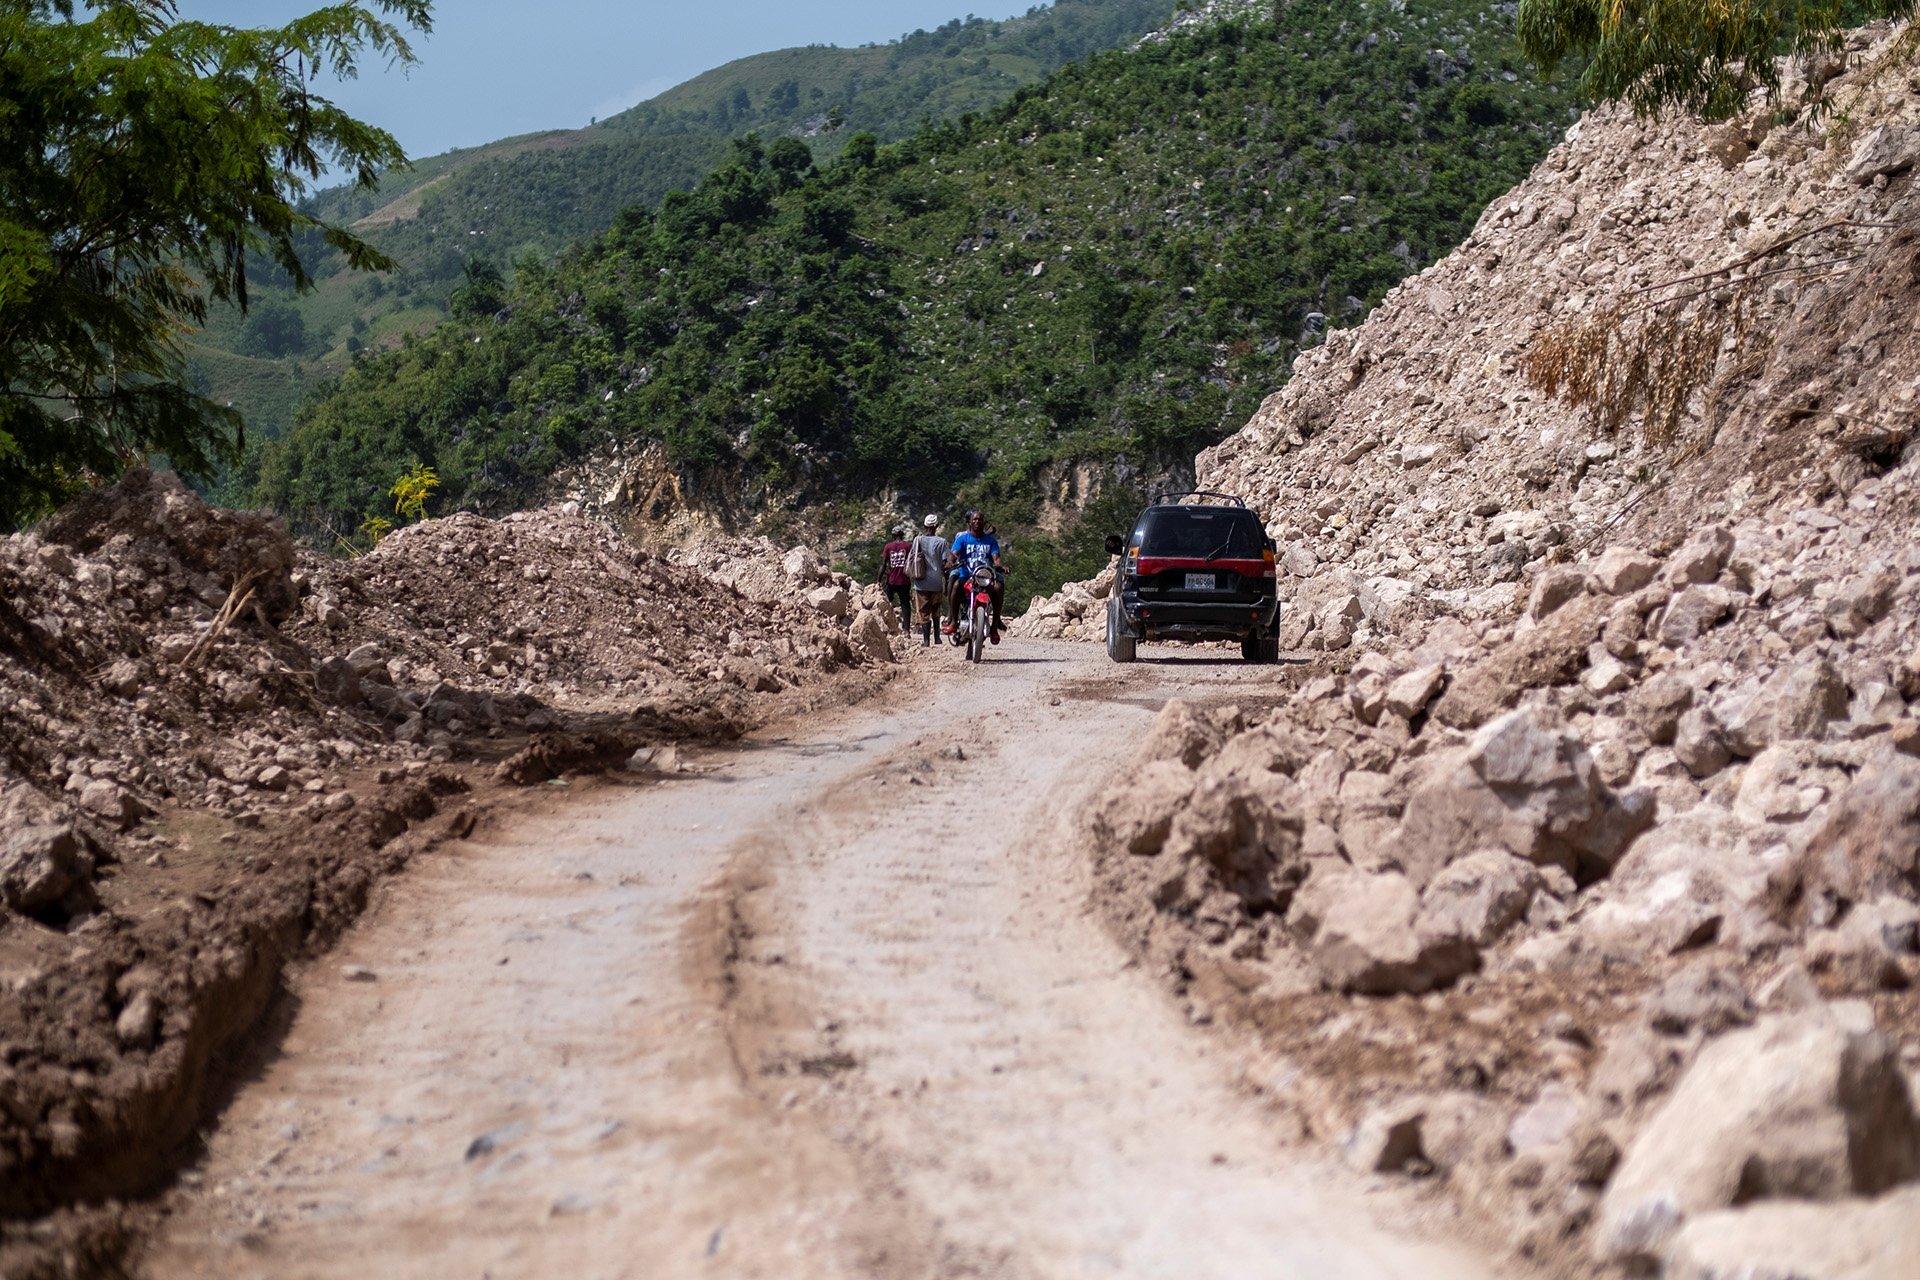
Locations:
(1796, 1107)
(1784, 783)
(337, 681)
(1657, 706)
(868, 636)
(1409, 695)
(1692, 613)
(1691, 879)
(1798, 702)
(1525, 784)
(1552, 653)
(1555, 586)
(1700, 744)
(833, 601)
(1479, 897)
(1250, 845)
(1794, 1240)
(1887, 149)
(1178, 733)
(1136, 815)
(1361, 934)
(1621, 571)
(1702, 558)
(1869, 843)
(45, 866)
(800, 564)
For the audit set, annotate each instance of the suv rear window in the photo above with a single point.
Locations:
(1220, 532)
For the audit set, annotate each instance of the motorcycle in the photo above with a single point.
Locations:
(975, 626)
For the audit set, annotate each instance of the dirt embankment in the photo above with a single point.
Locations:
(213, 746)
(1579, 876)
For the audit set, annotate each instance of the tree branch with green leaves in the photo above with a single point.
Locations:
(1705, 58)
(144, 162)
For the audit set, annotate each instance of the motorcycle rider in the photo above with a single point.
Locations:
(970, 549)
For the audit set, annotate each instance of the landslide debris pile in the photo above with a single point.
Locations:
(549, 604)
(760, 570)
(143, 665)
(212, 745)
(1581, 871)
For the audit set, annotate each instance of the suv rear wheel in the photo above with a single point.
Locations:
(1255, 647)
(1120, 642)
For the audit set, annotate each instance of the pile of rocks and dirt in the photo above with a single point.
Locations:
(1078, 611)
(551, 605)
(1580, 870)
(213, 744)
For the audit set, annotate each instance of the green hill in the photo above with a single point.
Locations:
(540, 192)
(1113, 266)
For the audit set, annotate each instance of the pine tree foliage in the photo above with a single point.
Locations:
(145, 161)
(1706, 58)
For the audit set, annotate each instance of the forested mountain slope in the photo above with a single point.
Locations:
(1113, 267)
(540, 192)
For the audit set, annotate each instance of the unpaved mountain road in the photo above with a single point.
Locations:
(832, 1003)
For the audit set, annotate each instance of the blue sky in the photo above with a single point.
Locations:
(573, 60)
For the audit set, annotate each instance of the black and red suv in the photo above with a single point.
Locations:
(1198, 566)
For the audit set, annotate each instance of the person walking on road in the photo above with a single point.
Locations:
(894, 578)
(926, 568)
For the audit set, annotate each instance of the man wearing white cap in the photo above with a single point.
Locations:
(926, 559)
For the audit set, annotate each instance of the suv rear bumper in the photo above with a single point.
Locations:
(1189, 620)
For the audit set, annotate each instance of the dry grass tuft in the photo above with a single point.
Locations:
(1649, 365)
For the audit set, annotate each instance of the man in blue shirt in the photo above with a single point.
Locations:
(969, 550)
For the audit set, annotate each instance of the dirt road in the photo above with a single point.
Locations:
(828, 1004)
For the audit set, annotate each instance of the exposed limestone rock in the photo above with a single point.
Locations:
(1885, 150)
(1479, 897)
(867, 634)
(1523, 784)
(44, 865)
(1359, 930)
(1875, 1239)
(1796, 703)
(1796, 1107)
(1622, 571)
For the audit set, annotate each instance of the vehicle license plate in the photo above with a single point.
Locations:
(1200, 582)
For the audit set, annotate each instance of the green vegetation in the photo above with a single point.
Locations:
(1702, 58)
(1115, 266)
(539, 193)
(143, 163)
(411, 491)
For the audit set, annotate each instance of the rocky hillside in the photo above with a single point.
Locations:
(213, 745)
(1601, 539)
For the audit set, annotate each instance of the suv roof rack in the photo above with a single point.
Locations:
(1161, 499)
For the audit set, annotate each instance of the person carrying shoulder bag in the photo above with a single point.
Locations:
(926, 568)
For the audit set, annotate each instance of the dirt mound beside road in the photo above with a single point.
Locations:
(551, 605)
(214, 745)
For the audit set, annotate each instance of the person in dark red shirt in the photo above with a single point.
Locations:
(893, 576)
